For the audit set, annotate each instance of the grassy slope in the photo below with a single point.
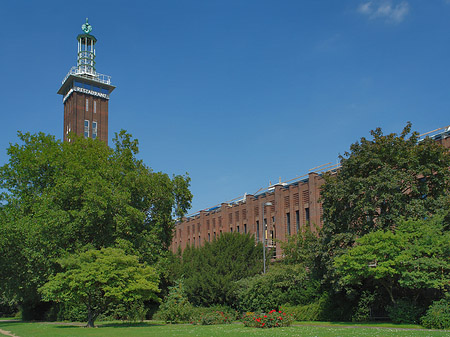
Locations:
(146, 329)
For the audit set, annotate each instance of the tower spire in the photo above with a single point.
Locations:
(86, 92)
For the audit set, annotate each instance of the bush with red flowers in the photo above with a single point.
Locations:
(273, 319)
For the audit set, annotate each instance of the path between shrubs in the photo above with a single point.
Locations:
(7, 333)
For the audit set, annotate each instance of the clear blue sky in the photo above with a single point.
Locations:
(236, 93)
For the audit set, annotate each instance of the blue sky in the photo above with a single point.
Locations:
(236, 93)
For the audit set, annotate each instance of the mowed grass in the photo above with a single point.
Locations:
(105, 329)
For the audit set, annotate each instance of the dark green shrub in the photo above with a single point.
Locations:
(176, 307)
(273, 319)
(362, 312)
(404, 311)
(211, 271)
(437, 315)
(213, 315)
(308, 312)
(281, 284)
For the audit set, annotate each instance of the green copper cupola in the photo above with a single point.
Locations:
(86, 50)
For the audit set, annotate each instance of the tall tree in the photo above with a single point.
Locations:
(62, 196)
(381, 180)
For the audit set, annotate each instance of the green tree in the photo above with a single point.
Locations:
(384, 179)
(303, 248)
(425, 259)
(415, 257)
(101, 278)
(176, 306)
(210, 271)
(373, 257)
(59, 197)
(380, 181)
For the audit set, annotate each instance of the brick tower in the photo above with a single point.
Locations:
(86, 93)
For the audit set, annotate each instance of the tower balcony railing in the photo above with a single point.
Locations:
(88, 72)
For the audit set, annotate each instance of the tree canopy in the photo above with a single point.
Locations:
(59, 197)
(416, 257)
(382, 180)
(98, 278)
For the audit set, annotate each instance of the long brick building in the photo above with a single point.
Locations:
(285, 208)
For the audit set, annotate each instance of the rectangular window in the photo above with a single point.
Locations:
(94, 130)
(307, 214)
(86, 129)
(87, 104)
(245, 228)
(237, 229)
(209, 237)
(288, 223)
(297, 220)
(95, 107)
(257, 230)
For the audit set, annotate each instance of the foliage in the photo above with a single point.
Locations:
(212, 317)
(404, 311)
(416, 257)
(99, 278)
(324, 308)
(216, 314)
(280, 285)
(303, 248)
(425, 259)
(210, 271)
(273, 319)
(380, 181)
(362, 312)
(60, 197)
(373, 257)
(437, 315)
(176, 307)
(307, 312)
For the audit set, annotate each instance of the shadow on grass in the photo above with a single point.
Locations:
(111, 325)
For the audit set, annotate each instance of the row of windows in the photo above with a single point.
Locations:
(87, 105)
(90, 87)
(86, 129)
(288, 224)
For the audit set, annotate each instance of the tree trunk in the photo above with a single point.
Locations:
(91, 318)
(389, 290)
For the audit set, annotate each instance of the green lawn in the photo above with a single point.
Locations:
(105, 329)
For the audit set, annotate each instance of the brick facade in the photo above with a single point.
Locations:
(75, 114)
(295, 205)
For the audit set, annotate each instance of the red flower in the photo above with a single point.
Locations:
(265, 316)
(263, 324)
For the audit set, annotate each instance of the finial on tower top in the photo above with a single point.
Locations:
(86, 27)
